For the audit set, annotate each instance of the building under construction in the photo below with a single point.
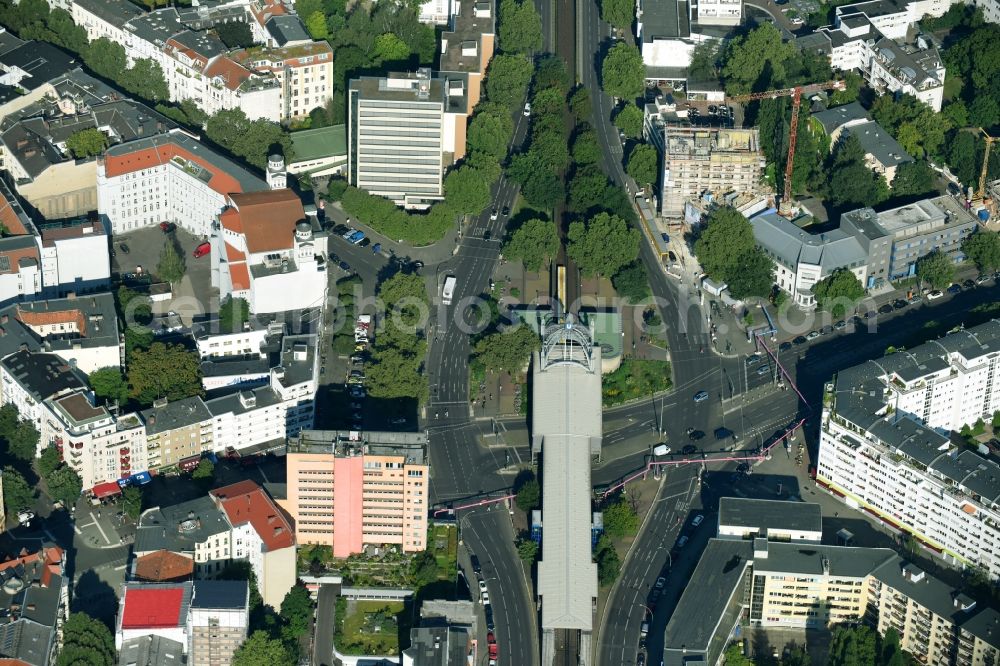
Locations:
(697, 160)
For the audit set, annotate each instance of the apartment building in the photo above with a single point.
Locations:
(397, 135)
(856, 42)
(104, 18)
(893, 18)
(467, 47)
(717, 12)
(217, 621)
(236, 522)
(699, 160)
(177, 432)
(267, 252)
(170, 177)
(445, 635)
(34, 602)
(885, 447)
(304, 73)
(351, 489)
(150, 650)
(990, 8)
(767, 584)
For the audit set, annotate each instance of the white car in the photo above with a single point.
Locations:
(527, 109)
(934, 295)
(485, 598)
(494, 214)
(698, 520)
(482, 585)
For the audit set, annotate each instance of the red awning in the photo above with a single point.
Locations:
(102, 490)
(189, 464)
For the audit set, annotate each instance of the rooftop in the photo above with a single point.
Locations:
(702, 143)
(37, 63)
(298, 359)
(173, 415)
(151, 650)
(441, 645)
(664, 21)
(838, 116)
(462, 47)
(876, 142)
(267, 219)
(246, 502)
(154, 605)
(770, 514)
(286, 29)
(412, 88)
(163, 566)
(791, 245)
(43, 375)
(217, 594)
(115, 12)
(179, 527)
(314, 144)
(411, 446)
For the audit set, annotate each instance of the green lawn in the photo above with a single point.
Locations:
(371, 628)
(635, 379)
(443, 543)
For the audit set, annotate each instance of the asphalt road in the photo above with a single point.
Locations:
(326, 605)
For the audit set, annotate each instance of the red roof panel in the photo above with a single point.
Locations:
(147, 608)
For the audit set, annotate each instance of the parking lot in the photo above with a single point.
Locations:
(193, 296)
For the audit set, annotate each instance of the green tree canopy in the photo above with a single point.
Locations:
(623, 73)
(335, 189)
(236, 34)
(629, 121)
(914, 179)
(551, 72)
(644, 164)
(587, 188)
(580, 104)
(631, 282)
(250, 139)
(620, 519)
(527, 550)
(609, 564)
(17, 494)
(603, 245)
(163, 371)
(520, 27)
(509, 350)
(541, 185)
(466, 190)
(853, 646)
(936, 269)
(233, 313)
(705, 61)
(490, 131)
(851, 182)
(297, 612)
(204, 470)
(725, 236)
(507, 79)
(48, 461)
(86, 642)
(838, 292)
(171, 267)
(586, 149)
(87, 142)
(132, 502)
(752, 275)
(983, 247)
(529, 495)
(109, 384)
(22, 441)
(533, 243)
(261, 650)
(397, 372)
(619, 13)
(64, 485)
(105, 58)
(751, 56)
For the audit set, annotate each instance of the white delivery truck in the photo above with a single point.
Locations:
(449, 289)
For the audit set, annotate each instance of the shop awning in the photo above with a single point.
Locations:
(102, 490)
(189, 464)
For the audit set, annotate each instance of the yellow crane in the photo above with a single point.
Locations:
(981, 192)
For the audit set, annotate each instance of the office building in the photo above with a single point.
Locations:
(764, 584)
(885, 446)
(397, 135)
(217, 621)
(700, 160)
(34, 604)
(350, 489)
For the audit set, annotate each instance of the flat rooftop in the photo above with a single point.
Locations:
(770, 514)
(409, 445)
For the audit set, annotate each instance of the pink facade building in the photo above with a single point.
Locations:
(351, 489)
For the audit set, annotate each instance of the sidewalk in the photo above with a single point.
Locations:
(437, 253)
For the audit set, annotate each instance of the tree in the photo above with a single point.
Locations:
(544, 189)
(587, 188)
(86, 642)
(64, 485)
(466, 190)
(752, 274)
(837, 291)
(261, 650)
(725, 236)
(389, 48)
(108, 383)
(704, 61)
(936, 269)
(402, 287)
(507, 79)
(204, 470)
(644, 164)
(48, 461)
(396, 372)
(132, 502)
(233, 313)
(913, 179)
(756, 60)
(171, 264)
(962, 158)
(619, 13)
(603, 245)
(586, 149)
(490, 131)
(250, 139)
(145, 79)
(237, 35)
(105, 58)
(163, 371)
(17, 494)
(533, 243)
(520, 27)
(527, 550)
(580, 104)
(529, 495)
(335, 189)
(551, 72)
(620, 519)
(983, 247)
(853, 646)
(316, 26)
(509, 350)
(86, 143)
(609, 564)
(631, 282)
(623, 73)
(734, 656)
(297, 612)
(629, 121)
(22, 441)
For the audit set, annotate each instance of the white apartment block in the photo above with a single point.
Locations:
(169, 177)
(991, 10)
(304, 73)
(893, 19)
(717, 12)
(884, 445)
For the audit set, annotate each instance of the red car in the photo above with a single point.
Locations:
(490, 638)
(202, 250)
(493, 650)
(167, 227)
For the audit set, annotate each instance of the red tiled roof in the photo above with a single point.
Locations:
(244, 502)
(240, 275)
(149, 608)
(36, 318)
(145, 158)
(267, 219)
(231, 72)
(163, 566)
(51, 558)
(14, 258)
(233, 255)
(9, 218)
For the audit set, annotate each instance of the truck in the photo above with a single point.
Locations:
(448, 291)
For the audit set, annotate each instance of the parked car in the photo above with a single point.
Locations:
(364, 242)
(527, 109)
(899, 303)
(665, 237)
(934, 295)
(954, 289)
(812, 335)
(885, 309)
(698, 520)
(167, 227)
(345, 266)
(484, 597)
(968, 284)
(123, 247)
(695, 435)
(799, 340)
(785, 346)
(763, 370)
(840, 325)
(753, 360)
(983, 279)
(682, 541)
(506, 211)
(689, 449)
(201, 250)
(482, 585)
(340, 229)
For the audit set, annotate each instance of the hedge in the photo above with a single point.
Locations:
(396, 224)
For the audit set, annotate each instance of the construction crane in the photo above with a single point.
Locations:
(981, 192)
(796, 94)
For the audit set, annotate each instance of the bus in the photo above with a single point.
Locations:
(449, 290)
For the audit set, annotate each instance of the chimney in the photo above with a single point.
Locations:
(912, 573)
